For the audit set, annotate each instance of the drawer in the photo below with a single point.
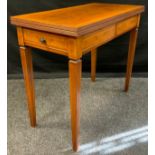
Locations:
(126, 25)
(98, 37)
(45, 41)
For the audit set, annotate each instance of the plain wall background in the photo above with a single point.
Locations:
(112, 57)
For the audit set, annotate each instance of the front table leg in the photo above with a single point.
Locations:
(75, 78)
(131, 54)
(26, 60)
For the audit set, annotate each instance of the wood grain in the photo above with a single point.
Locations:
(131, 54)
(72, 47)
(126, 25)
(20, 36)
(56, 43)
(26, 60)
(97, 38)
(77, 20)
(93, 64)
(75, 69)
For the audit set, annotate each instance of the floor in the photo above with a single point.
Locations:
(112, 122)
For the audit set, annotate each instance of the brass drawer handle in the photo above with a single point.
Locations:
(43, 40)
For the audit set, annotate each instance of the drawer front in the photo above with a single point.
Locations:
(45, 41)
(98, 38)
(126, 25)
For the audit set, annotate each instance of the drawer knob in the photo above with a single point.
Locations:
(42, 40)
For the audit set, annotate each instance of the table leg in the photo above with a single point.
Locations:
(75, 69)
(93, 64)
(26, 60)
(131, 54)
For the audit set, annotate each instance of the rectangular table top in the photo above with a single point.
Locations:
(77, 20)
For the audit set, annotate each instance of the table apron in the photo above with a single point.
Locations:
(75, 47)
(106, 34)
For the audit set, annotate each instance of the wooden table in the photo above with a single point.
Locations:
(73, 32)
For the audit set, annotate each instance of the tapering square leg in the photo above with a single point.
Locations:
(131, 54)
(75, 78)
(26, 60)
(93, 64)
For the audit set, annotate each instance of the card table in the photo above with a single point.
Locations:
(73, 32)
